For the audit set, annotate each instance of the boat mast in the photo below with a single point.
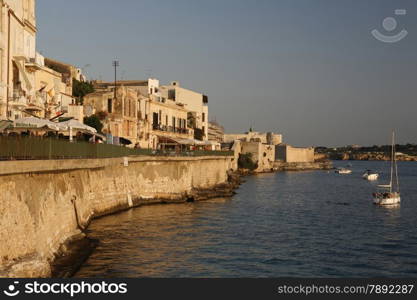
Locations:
(392, 161)
(396, 168)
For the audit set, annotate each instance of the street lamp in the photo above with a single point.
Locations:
(115, 65)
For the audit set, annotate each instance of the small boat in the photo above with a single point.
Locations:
(391, 197)
(371, 176)
(343, 171)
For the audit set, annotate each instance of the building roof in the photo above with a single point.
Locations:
(122, 82)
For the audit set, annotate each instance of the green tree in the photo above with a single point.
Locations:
(246, 162)
(94, 121)
(80, 89)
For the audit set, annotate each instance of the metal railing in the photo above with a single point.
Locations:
(36, 148)
(170, 129)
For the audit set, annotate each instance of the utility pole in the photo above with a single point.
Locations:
(115, 65)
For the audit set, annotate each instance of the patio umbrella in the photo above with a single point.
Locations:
(36, 123)
(78, 126)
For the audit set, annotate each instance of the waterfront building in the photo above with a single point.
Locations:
(195, 103)
(17, 55)
(162, 121)
(215, 132)
(260, 146)
(118, 114)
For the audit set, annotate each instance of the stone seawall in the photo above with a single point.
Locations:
(303, 166)
(43, 204)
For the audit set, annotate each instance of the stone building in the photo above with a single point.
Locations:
(262, 154)
(119, 115)
(288, 154)
(17, 55)
(161, 119)
(265, 138)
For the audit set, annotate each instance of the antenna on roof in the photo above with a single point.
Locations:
(148, 73)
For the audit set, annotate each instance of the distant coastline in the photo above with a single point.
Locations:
(378, 153)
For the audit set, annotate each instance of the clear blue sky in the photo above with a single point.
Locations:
(309, 69)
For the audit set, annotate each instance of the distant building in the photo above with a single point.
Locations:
(261, 147)
(265, 138)
(215, 132)
(289, 154)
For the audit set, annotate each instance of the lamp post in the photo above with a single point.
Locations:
(115, 65)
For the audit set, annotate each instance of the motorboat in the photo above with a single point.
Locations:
(370, 175)
(343, 171)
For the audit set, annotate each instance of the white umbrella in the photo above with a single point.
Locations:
(36, 123)
(76, 125)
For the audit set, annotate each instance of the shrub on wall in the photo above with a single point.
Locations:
(246, 162)
(94, 121)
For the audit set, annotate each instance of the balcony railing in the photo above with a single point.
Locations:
(170, 129)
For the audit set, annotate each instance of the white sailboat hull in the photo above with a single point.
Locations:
(387, 201)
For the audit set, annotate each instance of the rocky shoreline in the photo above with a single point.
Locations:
(370, 156)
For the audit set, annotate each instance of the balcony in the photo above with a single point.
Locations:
(170, 129)
(18, 99)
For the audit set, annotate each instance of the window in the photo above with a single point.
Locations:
(173, 122)
(166, 120)
(204, 117)
(160, 116)
(155, 119)
(171, 95)
(109, 106)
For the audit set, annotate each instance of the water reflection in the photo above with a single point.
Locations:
(286, 224)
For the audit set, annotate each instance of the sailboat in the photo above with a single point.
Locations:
(393, 196)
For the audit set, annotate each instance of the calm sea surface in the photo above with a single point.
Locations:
(305, 224)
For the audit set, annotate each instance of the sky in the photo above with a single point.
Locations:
(309, 69)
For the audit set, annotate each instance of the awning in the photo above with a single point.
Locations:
(124, 141)
(23, 74)
(189, 142)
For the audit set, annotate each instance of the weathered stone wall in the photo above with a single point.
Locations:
(43, 203)
(302, 166)
(262, 154)
(291, 154)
